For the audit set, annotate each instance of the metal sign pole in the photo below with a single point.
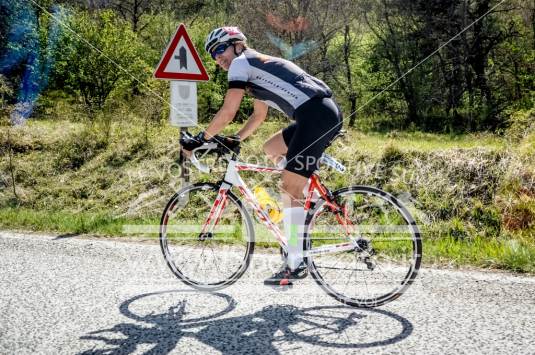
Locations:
(184, 169)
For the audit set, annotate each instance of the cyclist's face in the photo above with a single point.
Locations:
(224, 59)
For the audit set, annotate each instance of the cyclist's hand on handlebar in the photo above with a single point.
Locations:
(232, 141)
(228, 143)
(224, 143)
(189, 142)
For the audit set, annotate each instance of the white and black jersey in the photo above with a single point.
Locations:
(278, 82)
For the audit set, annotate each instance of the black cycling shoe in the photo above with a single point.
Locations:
(285, 276)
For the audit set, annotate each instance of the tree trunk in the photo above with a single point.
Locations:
(135, 15)
(347, 56)
(353, 104)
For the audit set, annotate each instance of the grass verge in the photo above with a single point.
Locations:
(514, 254)
(63, 222)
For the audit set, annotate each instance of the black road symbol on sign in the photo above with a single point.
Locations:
(182, 57)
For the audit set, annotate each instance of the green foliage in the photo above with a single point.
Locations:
(518, 256)
(392, 155)
(476, 191)
(5, 91)
(521, 123)
(102, 56)
(458, 229)
(467, 84)
(475, 83)
(509, 254)
(118, 158)
(58, 221)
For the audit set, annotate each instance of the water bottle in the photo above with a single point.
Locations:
(268, 204)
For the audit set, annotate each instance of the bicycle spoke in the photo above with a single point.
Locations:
(349, 280)
(384, 241)
(199, 261)
(215, 258)
(196, 257)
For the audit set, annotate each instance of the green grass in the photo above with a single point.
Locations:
(373, 144)
(512, 255)
(424, 142)
(66, 222)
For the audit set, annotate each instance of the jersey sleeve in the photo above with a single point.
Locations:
(238, 73)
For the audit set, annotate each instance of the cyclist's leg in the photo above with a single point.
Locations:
(316, 124)
(276, 146)
(306, 139)
(293, 215)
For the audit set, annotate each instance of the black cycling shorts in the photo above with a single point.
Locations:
(316, 122)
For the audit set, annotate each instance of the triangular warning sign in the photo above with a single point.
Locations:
(180, 60)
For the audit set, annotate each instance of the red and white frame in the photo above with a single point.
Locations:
(232, 178)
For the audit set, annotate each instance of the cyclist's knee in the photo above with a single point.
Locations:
(267, 148)
(275, 147)
(292, 185)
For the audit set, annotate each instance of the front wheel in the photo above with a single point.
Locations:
(386, 246)
(207, 259)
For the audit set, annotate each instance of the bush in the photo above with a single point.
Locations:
(519, 214)
(485, 217)
(392, 155)
(521, 123)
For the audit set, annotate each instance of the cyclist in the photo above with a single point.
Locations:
(280, 84)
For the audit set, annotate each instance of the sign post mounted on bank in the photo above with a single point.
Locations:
(182, 65)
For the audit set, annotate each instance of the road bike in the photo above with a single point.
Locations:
(361, 244)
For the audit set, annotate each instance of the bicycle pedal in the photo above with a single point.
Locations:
(285, 282)
(283, 288)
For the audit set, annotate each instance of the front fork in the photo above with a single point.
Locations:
(215, 214)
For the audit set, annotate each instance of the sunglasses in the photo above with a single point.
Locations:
(219, 50)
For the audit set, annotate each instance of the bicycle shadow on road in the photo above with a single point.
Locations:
(163, 321)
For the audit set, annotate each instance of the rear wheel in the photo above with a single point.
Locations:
(387, 247)
(206, 260)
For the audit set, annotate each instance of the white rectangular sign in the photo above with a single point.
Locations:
(183, 104)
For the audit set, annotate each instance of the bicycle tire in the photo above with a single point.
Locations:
(366, 204)
(186, 242)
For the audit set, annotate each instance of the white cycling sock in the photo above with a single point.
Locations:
(294, 220)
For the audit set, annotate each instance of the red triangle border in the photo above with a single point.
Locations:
(160, 72)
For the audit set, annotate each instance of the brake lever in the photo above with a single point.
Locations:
(195, 161)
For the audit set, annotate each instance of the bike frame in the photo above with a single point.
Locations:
(232, 178)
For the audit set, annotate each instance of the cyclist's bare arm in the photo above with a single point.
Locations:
(255, 120)
(224, 116)
(226, 113)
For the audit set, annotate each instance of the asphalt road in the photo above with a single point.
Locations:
(65, 294)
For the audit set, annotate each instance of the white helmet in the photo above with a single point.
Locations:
(223, 35)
